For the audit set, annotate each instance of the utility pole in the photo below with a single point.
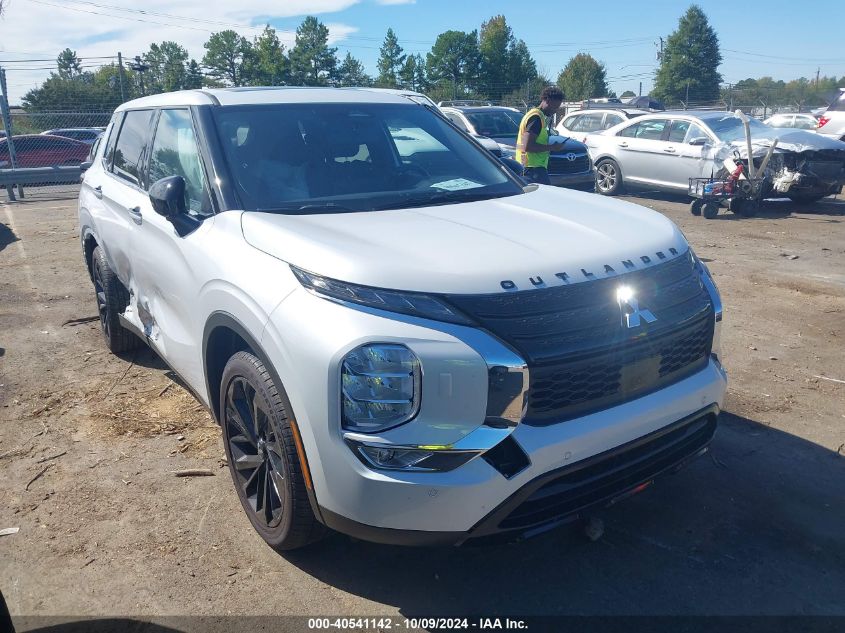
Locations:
(660, 52)
(818, 70)
(120, 75)
(7, 124)
(640, 94)
(140, 68)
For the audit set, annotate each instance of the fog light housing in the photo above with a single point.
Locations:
(380, 387)
(411, 458)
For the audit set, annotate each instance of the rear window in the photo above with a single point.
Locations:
(131, 145)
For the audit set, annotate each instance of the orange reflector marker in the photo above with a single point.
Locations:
(300, 451)
(641, 487)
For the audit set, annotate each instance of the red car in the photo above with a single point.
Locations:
(39, 150)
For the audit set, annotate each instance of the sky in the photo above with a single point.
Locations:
(779, 38)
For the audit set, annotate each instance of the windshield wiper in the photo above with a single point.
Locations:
(445, 197)
(317, 207)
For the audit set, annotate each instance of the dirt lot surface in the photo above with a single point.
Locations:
(89, 443)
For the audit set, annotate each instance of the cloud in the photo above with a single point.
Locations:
(42, 28)
(390, 2)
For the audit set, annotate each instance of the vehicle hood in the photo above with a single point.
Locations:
(789, 140)
(570, 144)
(472, 247)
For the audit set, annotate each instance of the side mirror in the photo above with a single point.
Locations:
(698, 140)
(85, 165)
(168, 196)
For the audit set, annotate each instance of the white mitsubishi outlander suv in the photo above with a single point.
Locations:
(400, 340)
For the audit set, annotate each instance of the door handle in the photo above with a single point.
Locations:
(98, 192)
(623, 144)
(669, 150)
(135, 214)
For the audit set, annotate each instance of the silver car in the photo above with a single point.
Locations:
(664, 150)
(793, 120)
(582, 122)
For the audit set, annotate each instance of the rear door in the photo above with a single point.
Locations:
(163, 273)
(123, 192)
(642, 150)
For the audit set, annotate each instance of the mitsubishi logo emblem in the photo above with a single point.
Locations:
(571, 156)
(631, 311)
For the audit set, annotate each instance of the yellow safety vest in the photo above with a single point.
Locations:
(532, 159)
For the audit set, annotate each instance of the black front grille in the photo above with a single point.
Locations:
(611, 474)
(562, 165)
(581, 356)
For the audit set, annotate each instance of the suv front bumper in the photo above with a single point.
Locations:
(562, 495)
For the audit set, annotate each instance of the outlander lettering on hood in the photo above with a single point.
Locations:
(583, 274)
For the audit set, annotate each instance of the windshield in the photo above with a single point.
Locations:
(730, 128)
(495, 123)
(333, 157)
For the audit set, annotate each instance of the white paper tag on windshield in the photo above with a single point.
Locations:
(457, 184)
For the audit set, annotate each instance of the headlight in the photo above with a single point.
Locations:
(413, 303)
(716, 298)
(380, 386)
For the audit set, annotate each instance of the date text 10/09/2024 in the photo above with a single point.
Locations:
(413, 624)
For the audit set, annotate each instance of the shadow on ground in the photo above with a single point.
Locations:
(755, 527)
(7, 236)
(770, 209)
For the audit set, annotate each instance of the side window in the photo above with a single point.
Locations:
(630, 132)
(611, 120)
(454, 118)
(679, 131)
(588, 123)
(569, 121)
(24, 144)
(132, 141)
(694, 132)
(652, 130)
(108, 151)
(174, 153)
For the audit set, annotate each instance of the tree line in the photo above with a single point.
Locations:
(489, 63)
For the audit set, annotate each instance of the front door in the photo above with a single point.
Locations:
(163, 260)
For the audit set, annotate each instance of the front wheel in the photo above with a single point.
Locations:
(710, 210)
(695, 207)
(262, 455)
(608, 177)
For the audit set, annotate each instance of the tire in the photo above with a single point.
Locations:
(112, 299)
(695, 207)
(710, 210)
(608, 177)
(262, 455)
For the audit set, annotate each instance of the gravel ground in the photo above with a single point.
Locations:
(88, 443)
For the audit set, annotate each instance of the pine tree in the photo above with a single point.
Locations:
(69, 64)
(351, 73)
(390, 62)
(224, 56)
(312, 61)
(690, 62)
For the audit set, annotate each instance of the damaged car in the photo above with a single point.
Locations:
(663, 151)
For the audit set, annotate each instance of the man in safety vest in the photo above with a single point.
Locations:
(532, 143)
